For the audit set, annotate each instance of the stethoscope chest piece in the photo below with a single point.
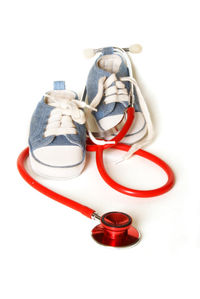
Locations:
(116, 230)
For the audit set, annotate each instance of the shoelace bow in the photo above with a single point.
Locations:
(113, 89)
(66, 111)
(61, 118)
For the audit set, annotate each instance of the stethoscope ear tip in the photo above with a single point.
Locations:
(116, 230)
(135, 48)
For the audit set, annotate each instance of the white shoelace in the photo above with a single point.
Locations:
(150, 132)
(66, 111)
(113, 93)
(61, 118)
(117, 92)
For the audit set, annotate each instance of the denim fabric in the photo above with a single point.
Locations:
(38, 125)
(92, 87)
(107, 51)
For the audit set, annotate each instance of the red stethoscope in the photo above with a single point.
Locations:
(115, 228)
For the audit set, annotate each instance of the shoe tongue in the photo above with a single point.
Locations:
(100, 69)
(60, 93)
(107, 66)
(59, 98)
(110, 64)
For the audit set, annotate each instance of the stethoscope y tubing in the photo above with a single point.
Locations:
(46, 191)
(88, 212)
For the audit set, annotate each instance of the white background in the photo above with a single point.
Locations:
(45, 248)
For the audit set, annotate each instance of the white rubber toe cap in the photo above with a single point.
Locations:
(110, 122)
(57, 162)
(59, 156)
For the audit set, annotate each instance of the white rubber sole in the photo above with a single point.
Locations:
(130, 139)
(136, 132)
(55, 173)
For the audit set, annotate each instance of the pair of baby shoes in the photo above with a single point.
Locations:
(61, 121)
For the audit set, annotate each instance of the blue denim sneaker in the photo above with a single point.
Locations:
(58, 135)
(109, 89)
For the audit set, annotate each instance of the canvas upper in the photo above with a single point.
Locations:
(43, 148)
(97, 72)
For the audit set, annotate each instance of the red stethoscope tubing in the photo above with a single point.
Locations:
(88, 212)
(46, 191)
(133, 192)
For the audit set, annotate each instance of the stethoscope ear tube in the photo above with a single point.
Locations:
(50, 193)
(104, 233)
(88, 212)
(124, 147)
